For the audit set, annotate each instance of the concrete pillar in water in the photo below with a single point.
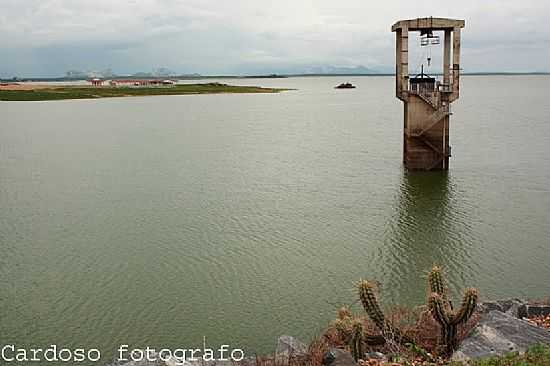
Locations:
(427, 100)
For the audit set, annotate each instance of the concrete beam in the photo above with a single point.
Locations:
(437, 24)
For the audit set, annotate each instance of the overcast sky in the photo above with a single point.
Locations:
(50, 37)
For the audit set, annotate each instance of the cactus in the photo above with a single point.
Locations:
(343, 323)
(343, 327)
(350, 331)
(442, 311)
(370, 304)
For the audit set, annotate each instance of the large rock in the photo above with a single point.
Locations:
(498, 333)
(508, 306)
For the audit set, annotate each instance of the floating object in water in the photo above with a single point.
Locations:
(345, 86)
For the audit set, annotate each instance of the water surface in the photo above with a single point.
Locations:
(160, 220)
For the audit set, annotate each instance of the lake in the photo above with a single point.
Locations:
(160, 220)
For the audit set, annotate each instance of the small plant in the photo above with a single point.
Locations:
(350, 330)
(442, 311)
(419, 351)
(343, 324)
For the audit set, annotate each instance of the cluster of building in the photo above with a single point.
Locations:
(131, 82)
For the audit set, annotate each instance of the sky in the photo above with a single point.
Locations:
(246, 37)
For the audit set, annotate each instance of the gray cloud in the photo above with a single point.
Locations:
(49, 37)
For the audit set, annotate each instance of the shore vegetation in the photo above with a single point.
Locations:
(42, 93)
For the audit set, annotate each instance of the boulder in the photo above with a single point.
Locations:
(509, 306)
(338, 357)
(288, 346)
(498, 333)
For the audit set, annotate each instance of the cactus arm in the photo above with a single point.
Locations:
(435, 280)
(370, 304)
(467, 308)
(437, 284)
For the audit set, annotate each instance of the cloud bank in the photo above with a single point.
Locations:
(49, 37)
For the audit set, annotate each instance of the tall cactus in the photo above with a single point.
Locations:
(442, 310)
(369, 300)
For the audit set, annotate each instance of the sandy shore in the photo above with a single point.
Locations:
(23, 86)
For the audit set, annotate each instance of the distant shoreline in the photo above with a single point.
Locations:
(30, 92)
(271, 76)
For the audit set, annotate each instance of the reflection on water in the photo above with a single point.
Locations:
(427, 228)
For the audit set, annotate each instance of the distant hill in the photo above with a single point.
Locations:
(329, 69)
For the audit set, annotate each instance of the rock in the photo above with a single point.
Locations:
(338, 357)
(498, 333)
(529, 311)
(288, 346)
(510, 306)
(376, 356)
(328, 358)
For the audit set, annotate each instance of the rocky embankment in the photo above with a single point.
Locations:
(504, 326)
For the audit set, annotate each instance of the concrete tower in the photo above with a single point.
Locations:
(427, 100)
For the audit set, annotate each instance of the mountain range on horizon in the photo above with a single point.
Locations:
(163, 72)
(166, 72)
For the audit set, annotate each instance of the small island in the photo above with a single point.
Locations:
(41, 92)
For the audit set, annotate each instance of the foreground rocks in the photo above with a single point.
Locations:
(287, 347)
(502, 329)
(338, 357)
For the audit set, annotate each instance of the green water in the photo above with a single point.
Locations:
(160, 220)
